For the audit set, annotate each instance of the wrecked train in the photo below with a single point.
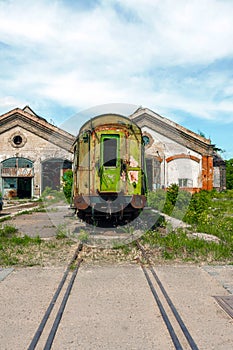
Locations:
(109, 177)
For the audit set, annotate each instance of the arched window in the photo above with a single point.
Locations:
(17, 163)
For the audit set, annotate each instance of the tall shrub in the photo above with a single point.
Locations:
(67, 180)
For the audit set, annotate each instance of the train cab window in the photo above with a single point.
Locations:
(110, 151)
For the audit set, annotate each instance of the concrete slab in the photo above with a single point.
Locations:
(223, 274)
(111, 307)
(4, 273)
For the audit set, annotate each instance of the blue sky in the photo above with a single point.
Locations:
(175, 57)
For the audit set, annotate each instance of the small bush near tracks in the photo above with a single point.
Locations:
(28, 251)
(171, 202)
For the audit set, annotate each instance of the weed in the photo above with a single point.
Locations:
(61, 232)
(123, 247)
(7, 231)
(83, 236)
(28, 251)
(180, 246)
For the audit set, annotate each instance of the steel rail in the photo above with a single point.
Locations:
(58, 318)
(170, 329)
(53, 301)
(175, 312)
(178, 318)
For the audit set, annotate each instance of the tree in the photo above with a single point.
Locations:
(229, 174)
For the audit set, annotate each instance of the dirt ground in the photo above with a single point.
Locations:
(45, 224)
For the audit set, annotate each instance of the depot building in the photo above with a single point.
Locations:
(35, 154)
(176, 155)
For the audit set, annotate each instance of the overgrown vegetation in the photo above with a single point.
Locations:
(28, 251)
(171, 202)
(229, 174)
(180, 245)
(208, 212)
(67, 180)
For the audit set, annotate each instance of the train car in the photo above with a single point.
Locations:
(109, 180)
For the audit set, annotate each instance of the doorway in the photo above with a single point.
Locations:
(24, 187)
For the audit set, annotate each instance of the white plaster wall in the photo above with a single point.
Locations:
(184, 169)
(163, 147)
(216, 177)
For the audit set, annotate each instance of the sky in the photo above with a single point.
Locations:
(64, 57)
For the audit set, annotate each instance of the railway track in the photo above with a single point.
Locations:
(72, 266)
(181, 340)
(177, 330)
(14, 209)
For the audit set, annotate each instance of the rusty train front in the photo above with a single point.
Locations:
(109, 174)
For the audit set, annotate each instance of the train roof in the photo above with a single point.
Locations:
(109, 119)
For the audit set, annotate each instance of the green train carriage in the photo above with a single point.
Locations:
(109, 173)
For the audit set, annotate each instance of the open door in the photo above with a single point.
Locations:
(24, 187)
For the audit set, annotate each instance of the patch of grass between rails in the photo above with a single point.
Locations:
(17, 250)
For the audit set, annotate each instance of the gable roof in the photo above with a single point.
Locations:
(144, 117)
(27, 119)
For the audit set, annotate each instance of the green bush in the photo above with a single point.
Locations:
(200, 202)
(157, 199)
(67, 184)
(172, 201)
(229, 174)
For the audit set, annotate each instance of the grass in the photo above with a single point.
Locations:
(29, 211)
(50, 196)
(83, 236)
(207, 212)
(179, 245)
(17, 250)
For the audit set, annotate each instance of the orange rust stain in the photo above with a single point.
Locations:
(182, 156)
(207, 172)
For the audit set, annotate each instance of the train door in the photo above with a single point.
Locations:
(110, 163)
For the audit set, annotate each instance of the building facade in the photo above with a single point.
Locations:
(176, 155)
(33, 154)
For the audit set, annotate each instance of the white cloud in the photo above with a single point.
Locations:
(115, 52)
(9, 102)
